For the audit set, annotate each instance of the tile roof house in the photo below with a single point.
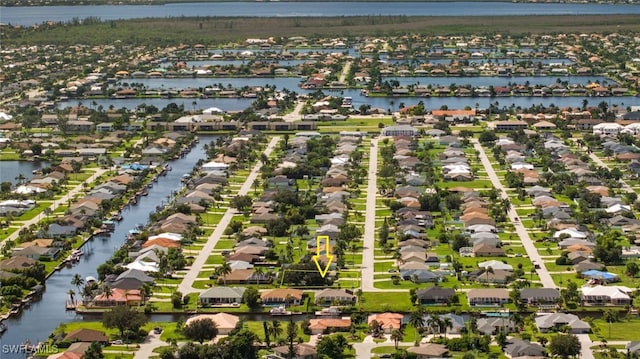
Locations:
(388, 321)
(87, 335)
(485, 250)
(540, 296)
(435, 295)
(224, 322)
(430, 350)
(547, 322)
(493, 325)
(281, 296)
(118, 296)
(331, 296)
(488, 297)
(325, 325)
(221, 296)
(520, 348)
(303, 351)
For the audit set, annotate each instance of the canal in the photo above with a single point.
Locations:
(38, 320)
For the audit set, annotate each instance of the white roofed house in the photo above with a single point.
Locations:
(607, 129)
(222, 296)
(606, 295)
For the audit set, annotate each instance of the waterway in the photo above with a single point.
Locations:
(9, 170)
(35, 15)
(38, 320)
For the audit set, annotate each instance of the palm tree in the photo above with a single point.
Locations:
(224, 270)
(276, 330)
(106, 290)
(609, 316)
(488, 270)
(417, 321)
(258, 272)
(397, 335)
(447, 324)
(77, 280)
(434, 322)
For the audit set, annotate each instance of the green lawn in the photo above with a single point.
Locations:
(623, 330)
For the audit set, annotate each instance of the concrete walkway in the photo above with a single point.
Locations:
(370, 221)
(521, 231)
(295, 114)
(585, 346)
(64, 200)
(186, 286)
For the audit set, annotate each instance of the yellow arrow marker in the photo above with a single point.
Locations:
(327, 251)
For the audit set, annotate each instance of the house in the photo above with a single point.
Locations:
(331, 296)
(40, 253)
(497, 276)
(303, 351)
(495, 265)
(485, 250)
(600, 276)
(400, 130)
(633, 347)
(281, 297)
(494, 325)
(87, 335)
(435, 295)
(221, 296)
(244, 276)
(17, 263)
(387, 321)
(606, 295)
(510, 125)
(118, 296)
(326, 325)
(430, 350)
(224, 322)
(547, 322)
(540, 296)
(488, 297)
(520, 348)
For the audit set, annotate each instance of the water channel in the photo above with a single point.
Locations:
(38, 320)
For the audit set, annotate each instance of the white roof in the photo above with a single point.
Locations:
(214, 165)
(212, 110)
(28, 190)
(617, 208)
(172, 236)
(143, 266)
(573, 233)
(613, 292)
(494, 264)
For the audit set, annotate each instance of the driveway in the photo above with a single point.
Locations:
(150, 343)
(370, 221)
(186, 286)
(521, 231)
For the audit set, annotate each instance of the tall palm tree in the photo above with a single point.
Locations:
(488, 270)
(276, 330)
(397, 335)
(259, 272)
(447, 324)
(77, 281)
(434, 322)
(224, 270)
(417, 321)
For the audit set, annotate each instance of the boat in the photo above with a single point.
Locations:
(70, 305)
(3, 327)
(280, 311)
(330, 312)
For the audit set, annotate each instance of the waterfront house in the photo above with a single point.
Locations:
(331, 296)
(606, 295)
(494, 325)
(326, 325)
(488, 297)
(221, 296)
(540, 296)
(87, 335)
(224, 322)
(278, 297)
(118, 296)
(17, 263)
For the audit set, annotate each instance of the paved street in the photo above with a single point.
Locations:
(186, 286)
(521, 231)
(370, 221)
(64, 200)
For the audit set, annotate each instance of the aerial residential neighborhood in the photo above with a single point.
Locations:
(397, 196)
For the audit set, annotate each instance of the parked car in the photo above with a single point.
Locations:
(157, 330)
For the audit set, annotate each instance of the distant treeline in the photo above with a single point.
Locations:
(162, 2)
(221, 30)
